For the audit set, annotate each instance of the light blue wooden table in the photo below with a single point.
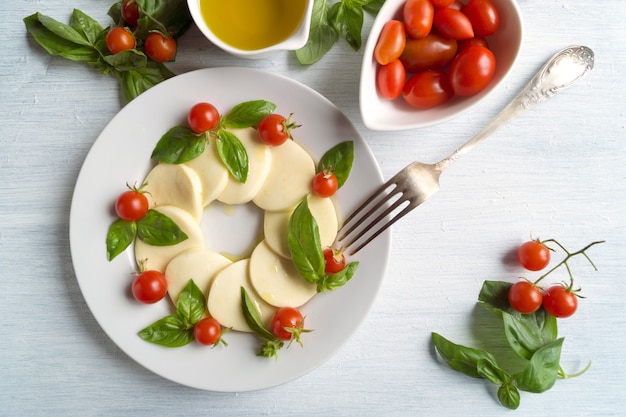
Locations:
(558, 171)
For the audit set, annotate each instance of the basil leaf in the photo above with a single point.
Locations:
(170, 331)
(464, 359)
(339, 160)
(167, 16)
(330, 282)
(347, 20)
(129, 60)
(304, 243)
(253, 318)
(491, 372)
(115, 13)
(494, 294)
(321, 35)
(509, 396)
(191, 303)
(248, 114)
(178, 145)
(542, 370)
(233, 154)
(373, 6)
(88, 27)
(135, 82)
(527, 333)
(157, 229)
(120, 235)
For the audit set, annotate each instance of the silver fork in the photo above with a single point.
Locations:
(419, 181)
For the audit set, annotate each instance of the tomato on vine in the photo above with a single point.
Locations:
(203, 117)
(149, 287)
(208, 331)
(525, 297)
(288, 324)
(132, 205)
(130, 12)
(160, 48)
(120, 39)
(334, 260)
(560, 301)
(274, 129)
(533, 255)
(325, 184)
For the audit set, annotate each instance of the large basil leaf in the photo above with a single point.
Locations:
(170, 331)
(542, 370)
(464, 359)
(191, 303)
(233, 154)
(329, 282)
(248, 114)
(167, 16)
(120, 235)
(322, 36)
(137, 81)
(304, 243)
(347, 20)
(339, 160)
(527, 333)
(178, 145)
(157, 229)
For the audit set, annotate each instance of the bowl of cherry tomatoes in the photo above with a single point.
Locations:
(427, 61)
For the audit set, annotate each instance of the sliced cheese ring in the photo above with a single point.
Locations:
(259, 163)
(276, 224)
(175, 185)
(289, 179)
(224, 300)
(157, 257)
(211, 171)
(200, 264)
(277, 280)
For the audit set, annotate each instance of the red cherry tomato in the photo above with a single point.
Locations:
(287, 323)
(441, 3)
(484, 16)
(390, 42)
(120, 39)
(325, 184)
(431, 52)
(476, 40)
(427, 89)
(453, 24)
(207, 331)
(525, 297)
(160, 48)
(149, 287)
(130, 12)
(418, 17)
(335, 261)
(471, 70)
(274, 129)
(131, 205)
(390, 79)
(533, 255)
(560, 302)
(203, 117)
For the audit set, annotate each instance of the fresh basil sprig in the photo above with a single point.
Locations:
(271, 344)
(176, 330)
(307, 254)
(155, 228)
(343, 18)
(338, 160)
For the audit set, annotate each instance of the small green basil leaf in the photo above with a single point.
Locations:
(509, 396)
(347, 20)
(491, 372)
(135, 82)
(527, 333)
(248, 114)
(178, 145)
(167, 16)
(373, 6)
(115, 13)
(542, 370)
(321, 35)
(129, 60)
(191, 303)
(170, 331)
(120, 235)
(461, 358)
(339, 160)
(494, 294)
(157, 229)
(330, 282)
(304, 243)
(89, 28)
(233, 154)
(253, 318)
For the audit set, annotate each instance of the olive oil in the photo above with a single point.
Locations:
(252, 24)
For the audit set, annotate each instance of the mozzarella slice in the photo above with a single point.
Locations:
(276, 224)
(211, 171)
(175, 185)
(224, 300)
(289, 179)
(277, 280)
(157, 257)
(259, 163)
(199, 264)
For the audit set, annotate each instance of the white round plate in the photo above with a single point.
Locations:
(122, 155)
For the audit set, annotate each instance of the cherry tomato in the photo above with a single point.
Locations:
(427, 89)
(160, 48)
(525, 297)
(441, 3)
(130, 12)
(453, 24)
(335, 261)
(471, 70)
(203, 117)
(274, 129)
(120, 39)
(418, 17)
(560, 302)
(131, 205)
(484, 16)
(287, 323)
(431, 52)
(390, 42)
(533, 255)
(207, 331)
(149, 287)
(476, 40)
(325, 184)
(390, 79)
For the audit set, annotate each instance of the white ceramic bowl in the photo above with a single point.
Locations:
(296, 41)
(379, 113)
